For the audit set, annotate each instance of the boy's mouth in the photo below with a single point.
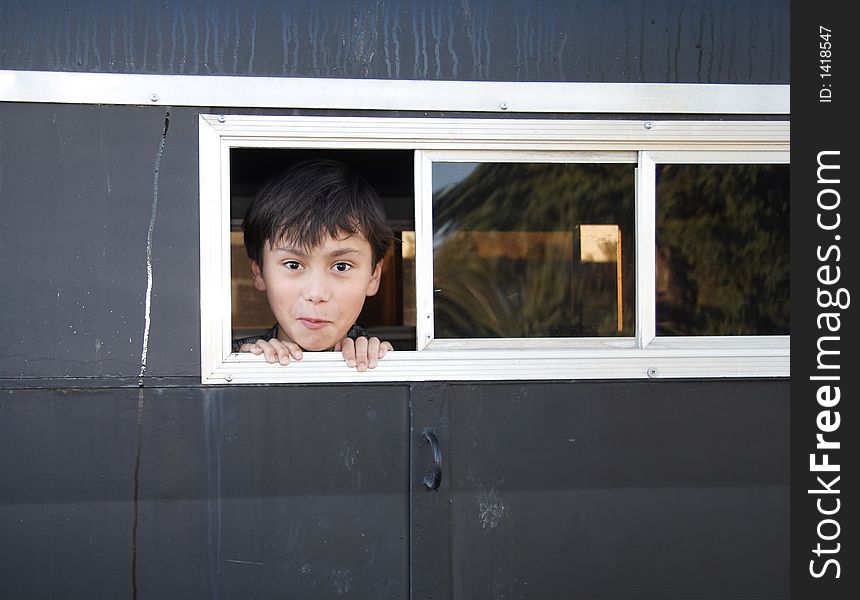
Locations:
(313, 323)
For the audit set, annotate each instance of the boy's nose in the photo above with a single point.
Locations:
(317, 290)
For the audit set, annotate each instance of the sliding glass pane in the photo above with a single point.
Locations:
(723, 250)
(533, 250)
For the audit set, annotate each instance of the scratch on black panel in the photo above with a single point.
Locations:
(195, 26)
(642, 31)
(700, 47)
(213, 434)
(773, 51)
(289, 36)
(668, 76)
(563, 35)
(237, 38)
(455, 62)
(436, 32)
(128, 39)
(136, 500)
(711, 20)
(678, 41)
(390, 27)
(159, 36)
(147, 309)
(752, 55)
(253, 39)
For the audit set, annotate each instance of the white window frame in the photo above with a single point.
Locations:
(647, 143)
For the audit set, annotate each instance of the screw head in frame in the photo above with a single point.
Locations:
(154, 98)
(648, 125)
(652, 372)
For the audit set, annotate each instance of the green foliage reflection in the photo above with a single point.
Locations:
(723, 250)
(533, 283)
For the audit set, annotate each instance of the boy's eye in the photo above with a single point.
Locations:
(342, 267)
(292, 264)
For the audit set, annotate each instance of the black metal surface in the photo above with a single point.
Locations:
(66, 489)
(605, 490)
(81, 189)
(653, 489)
(738, 41)
(192, 493)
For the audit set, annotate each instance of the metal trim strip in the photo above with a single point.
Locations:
(393, 95)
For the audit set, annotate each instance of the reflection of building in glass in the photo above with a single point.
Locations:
(599, 243)
(602, 244)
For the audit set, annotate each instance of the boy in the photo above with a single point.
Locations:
(316, 237)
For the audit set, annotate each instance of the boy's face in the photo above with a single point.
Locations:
(317, 296)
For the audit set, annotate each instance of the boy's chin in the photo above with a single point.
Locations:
(321, 347)
(317, 343)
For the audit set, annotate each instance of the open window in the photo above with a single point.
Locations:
(390, 313)
(529, 248)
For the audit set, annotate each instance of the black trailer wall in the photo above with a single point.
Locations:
(174, 490)
(690, 41)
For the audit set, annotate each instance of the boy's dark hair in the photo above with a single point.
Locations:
(312, 199)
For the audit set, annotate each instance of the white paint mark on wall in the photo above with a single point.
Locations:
(147, 308)
(349, 456)
(490, 509)
(245, 562)
(341, 580)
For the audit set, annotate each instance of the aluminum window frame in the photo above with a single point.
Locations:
(646, 143)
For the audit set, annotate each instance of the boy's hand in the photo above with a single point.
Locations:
(274, 350)
(363, 353)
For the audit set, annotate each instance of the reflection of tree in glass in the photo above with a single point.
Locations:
(723, 250)
(534, 286)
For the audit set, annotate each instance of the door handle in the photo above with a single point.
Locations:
(434, 479)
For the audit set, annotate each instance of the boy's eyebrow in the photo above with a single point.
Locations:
(290, 250)
(344, 252)
(302, 253)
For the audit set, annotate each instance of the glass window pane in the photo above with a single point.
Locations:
(533, 250)
(722, 250)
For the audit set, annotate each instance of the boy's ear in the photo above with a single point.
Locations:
(373, 285)
(257, 273)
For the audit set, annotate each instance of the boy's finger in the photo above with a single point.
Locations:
(267, 350)
(294, 350)
(282, 353)
(384, 347)
(372, 352)
(347, 347)
(361, 353)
